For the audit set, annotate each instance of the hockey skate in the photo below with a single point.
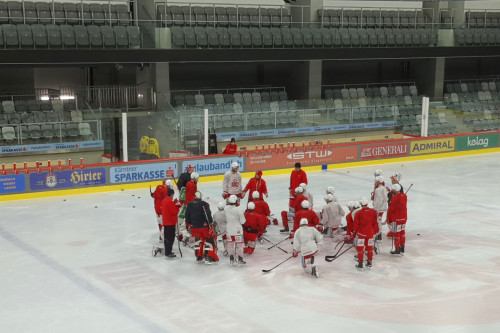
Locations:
(241, 261)
(359, 265)
(369, 263)
(397, 251)
(402, 249)
(231, 260)
(315, 271)
(171, 255)
(209, 260)
(378, 237)
(155, 251)
(198, 258)
(225, 253)
(285, 229)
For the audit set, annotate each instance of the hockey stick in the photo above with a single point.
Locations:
(342, 241)
(264, 238)
(268, 270)
(279, 243)
(409, 188)
(332, 258)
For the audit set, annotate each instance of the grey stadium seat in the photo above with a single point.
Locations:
(30, 12)
(108, 36)
(54, 37)
(8, 133)
(121, 36)
(71, 13)
(15, 12)
(95, 36)
(134, 37)
(81, 36)
(68, 36)
(25, 35)
(10, 35)
(97, 12)
(4, 13)
(39, 35)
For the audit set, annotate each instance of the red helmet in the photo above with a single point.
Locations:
(259, 173)
(190, 166)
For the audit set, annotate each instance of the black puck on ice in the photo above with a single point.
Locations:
(133, 195)
(138, 197)
(122, 189)
(95, 207)
(64, 199)
(133, 206)
(418, 234)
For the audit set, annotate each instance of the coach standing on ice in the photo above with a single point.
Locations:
(231, 185)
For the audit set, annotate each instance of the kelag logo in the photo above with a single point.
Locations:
(477, 141)
(432, 146)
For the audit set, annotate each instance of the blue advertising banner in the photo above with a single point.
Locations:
(52, 146)
(304, 130)
(143, 172)
(12, 184)
(67, 179)
(214, 166)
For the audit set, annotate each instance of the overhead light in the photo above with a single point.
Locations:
(45, 98)
(66, 97)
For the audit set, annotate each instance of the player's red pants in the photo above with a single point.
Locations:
(205, 235)
(363, 243)
(399, 235)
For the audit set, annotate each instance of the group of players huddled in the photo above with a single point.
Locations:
(190, 219)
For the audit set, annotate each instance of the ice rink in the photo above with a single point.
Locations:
(83, 264)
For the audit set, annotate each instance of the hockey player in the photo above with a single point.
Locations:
(297, 177)
(158, 195)
(169, 212)
(308, 195)
(188, 194)
(295, 205)
(256, 184)
(304, 213)
(395, 179)
(306, 242)
(235, 219)
(365, 226)
(219, 219)
(397, 216)
(380, 202)
(231, 148)
(185, 177)
(199, 218)
(254, 227)
(331, 216)
(331, 190)
(232, 183)
(353, 206)
(261, 207)
(377, 173)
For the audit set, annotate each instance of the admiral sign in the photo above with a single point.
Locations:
(68, 179)
(432, 146)
(383, 150)
(312, 157)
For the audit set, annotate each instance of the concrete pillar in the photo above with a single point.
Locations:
(305, 10)
(306, 80)
(429, 77)
(458, 11)
(161, 84)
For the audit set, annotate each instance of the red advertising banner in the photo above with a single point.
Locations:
(313, 157)
(383, 150)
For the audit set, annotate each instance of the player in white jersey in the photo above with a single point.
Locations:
(308, 195)
(380, 202)
(305, 242)
(331, 216)
(220, 222)
(234, 230)
(231, 185)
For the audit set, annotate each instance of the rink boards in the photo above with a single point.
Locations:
(119, 176)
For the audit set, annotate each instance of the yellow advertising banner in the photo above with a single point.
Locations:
(432, 146)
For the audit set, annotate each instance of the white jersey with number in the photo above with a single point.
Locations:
(306, 240)
(235, 219)
(232, 183)
(220, 219)
(380, 199)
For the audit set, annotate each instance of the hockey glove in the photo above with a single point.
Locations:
(319, 227)
(225, 195)
(295, 254)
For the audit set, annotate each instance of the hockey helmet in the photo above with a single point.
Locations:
(255, 194)
(379, 179)
(304, 222)
(356, 205)
(330, 190)
(259, 173)
(235, 165)
(198, 195)
(303, 185)
(328, 197)
(299, 190)
(232, 199)
(169, 183)
(221, 205)
(396, 176)
(190, 166)
(351, 205)
(251, 206)
(396, 187)
(305, 204)
(195, 175)
(378, 172)
(364, 201)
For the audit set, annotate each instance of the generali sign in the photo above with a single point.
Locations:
(312, 157)
(383, 150)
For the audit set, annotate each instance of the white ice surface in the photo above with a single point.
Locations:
(68, 267)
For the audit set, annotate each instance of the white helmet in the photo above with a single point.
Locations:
(396, 187)
(169, 183)
(397, 176)
(356, 205)
(251, 206)
(303, 185)
(255, 194)
(195, 175)
(299, 190)
(378, 172)
(232, 199)
(198, 195)
(305, 204)
(235, 165)
(364, 201)
(304, 222)
(351, 204)
(328, 198)
(221, 205)
(330, 190)
(379, 179)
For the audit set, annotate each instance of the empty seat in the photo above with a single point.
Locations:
(82, 36)
(108, 36)
(95, 36)
(47, 131)
(219, 98)
(97, 13)
(8, 133)
(84, 129)
(121, 36)
(71, 13)
(68, 36)
(134, 37)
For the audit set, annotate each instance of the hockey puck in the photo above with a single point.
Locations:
(347, 171)
(138, 197)
(95, 207)
(133, 195)
(133, 206)
(418, 234)
(64, 199)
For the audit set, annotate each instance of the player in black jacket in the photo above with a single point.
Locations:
(185, 177)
